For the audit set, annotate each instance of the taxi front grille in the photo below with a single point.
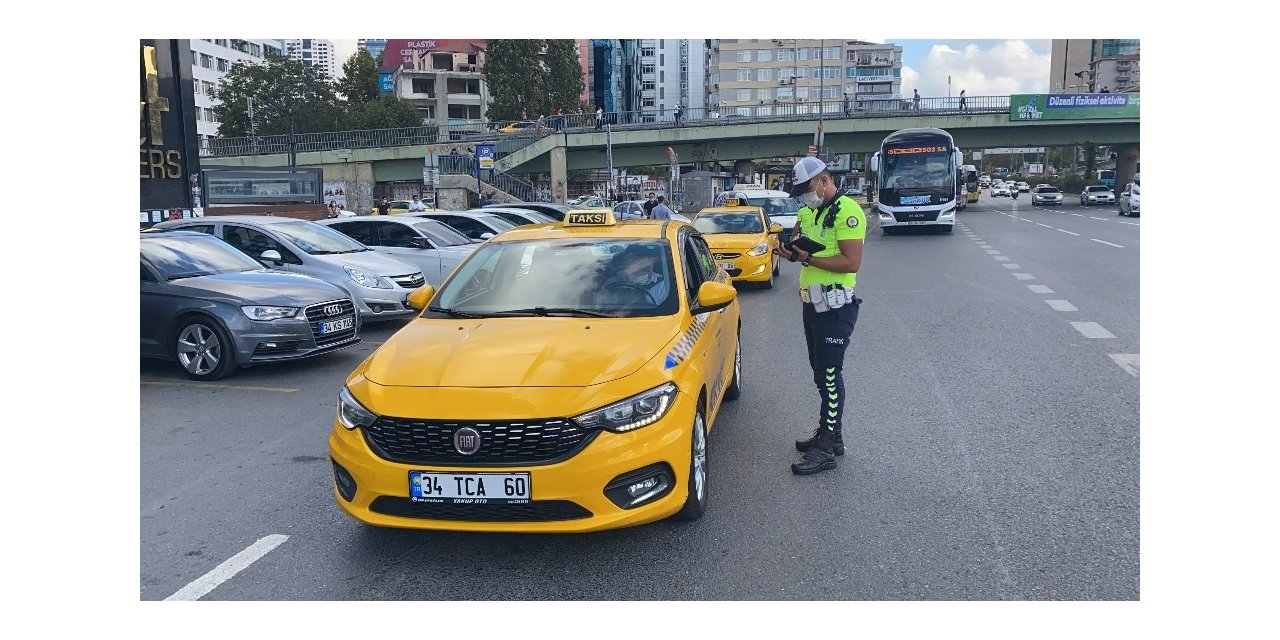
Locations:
(501, 443)
(726, 256)
(536, 511)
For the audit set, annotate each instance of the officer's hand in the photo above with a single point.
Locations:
(782, 251)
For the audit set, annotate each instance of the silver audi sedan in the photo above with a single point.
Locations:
(212, 309)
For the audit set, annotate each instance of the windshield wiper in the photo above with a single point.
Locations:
(456, 314)
(548, 311)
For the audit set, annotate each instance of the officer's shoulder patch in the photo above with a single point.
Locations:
(852, 221)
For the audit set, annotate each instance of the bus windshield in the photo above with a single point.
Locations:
(917, 171)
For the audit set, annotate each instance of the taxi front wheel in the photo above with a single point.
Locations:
(696, 503)
(735, 385)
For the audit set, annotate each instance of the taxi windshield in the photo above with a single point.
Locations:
(563, 277)
(709, 223)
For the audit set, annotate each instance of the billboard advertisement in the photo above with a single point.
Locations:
(1073, 106)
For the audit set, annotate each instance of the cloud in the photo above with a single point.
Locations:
(1005, 67)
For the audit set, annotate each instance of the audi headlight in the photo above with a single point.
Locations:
(352, 414)
(367, 279)
(759, 249)
(631, 413)
(269, 313)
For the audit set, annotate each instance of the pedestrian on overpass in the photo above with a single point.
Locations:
(599, 118)
(915, 99)
(829, 309)
(962, 105)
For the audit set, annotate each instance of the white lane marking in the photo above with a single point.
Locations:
(1039, 288)
(1127, 361)
(1070, 232)
(984, 246)
(1106, 243)
(1000, 258)
(1136, 224)
(1044, 225)
(1026, 220)
(1061, 305)
(1008, 265)
(1024, 276)
(235, 564)
(1093, 218)
(1092, 330)
(993, 251)
(1078, 215)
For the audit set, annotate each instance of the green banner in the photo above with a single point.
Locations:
(1073, 106)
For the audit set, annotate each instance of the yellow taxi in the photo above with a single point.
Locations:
(564, 378)
(742, 240)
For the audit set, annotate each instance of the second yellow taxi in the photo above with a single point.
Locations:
(564, 378)
(742, 240)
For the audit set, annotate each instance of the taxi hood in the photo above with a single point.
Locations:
(733, 240)
(518, 352)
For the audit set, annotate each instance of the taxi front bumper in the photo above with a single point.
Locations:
(565, 497)
(749, 268)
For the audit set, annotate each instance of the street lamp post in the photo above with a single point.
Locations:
(292, 115)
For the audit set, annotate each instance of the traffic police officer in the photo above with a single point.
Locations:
(829, 307)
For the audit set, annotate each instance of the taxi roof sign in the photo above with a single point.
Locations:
(589, 218)
(730, 202)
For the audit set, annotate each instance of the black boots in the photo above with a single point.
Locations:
(804, 445)
(820, 455)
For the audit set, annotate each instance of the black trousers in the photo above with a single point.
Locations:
(827, 335)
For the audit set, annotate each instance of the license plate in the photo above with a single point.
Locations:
(469, 488)
(727, 266)
(341, 324)
(918, 222)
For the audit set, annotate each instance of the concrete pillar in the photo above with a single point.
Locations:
(559, 174)
(358, 183)
(1126, 164)
(745, 169)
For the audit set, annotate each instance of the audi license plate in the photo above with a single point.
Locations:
(727, 266)
(469, 488)
(341, 324)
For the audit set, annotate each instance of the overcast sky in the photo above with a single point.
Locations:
(981, 67)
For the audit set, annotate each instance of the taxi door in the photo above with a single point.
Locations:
(713, 347)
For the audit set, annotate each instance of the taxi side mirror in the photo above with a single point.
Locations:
(421, 297)
(713, 296)
(775, 228)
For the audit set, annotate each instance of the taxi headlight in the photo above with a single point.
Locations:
(632, 413)
(759, 249)
(351, 413)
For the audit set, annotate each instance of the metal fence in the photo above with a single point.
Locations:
(510, 136)
(466, 166)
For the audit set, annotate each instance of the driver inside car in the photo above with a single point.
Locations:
(634, 269)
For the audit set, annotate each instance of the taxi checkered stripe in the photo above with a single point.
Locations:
(684, 346)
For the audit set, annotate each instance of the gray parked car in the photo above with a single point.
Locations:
(477, 226)
(432, 246)
(552, 209)
(213, 309)
(378, 284)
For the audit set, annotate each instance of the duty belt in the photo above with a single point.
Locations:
(827, 296)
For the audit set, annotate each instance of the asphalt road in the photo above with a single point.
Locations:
(993, 452)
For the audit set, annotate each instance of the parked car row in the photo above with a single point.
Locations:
(222, 292)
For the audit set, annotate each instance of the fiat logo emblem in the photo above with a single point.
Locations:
(466, 440)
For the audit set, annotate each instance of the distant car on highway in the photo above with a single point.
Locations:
(212, 309)
(1046, 195)
(516, 127)
(1097, 194)
(999, 189)
(1023, 187)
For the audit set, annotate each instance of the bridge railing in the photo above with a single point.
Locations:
(466, 165)
(519, 134)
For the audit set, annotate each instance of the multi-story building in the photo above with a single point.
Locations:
(374, 47)
(446, 85)
(614, 75)
(760, 77)
(669, 72)
(1081, 66)
(319, 53)
(210, 61)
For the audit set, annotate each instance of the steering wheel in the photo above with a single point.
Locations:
(634, 287)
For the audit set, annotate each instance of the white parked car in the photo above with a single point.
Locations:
(1097, 194)
(432, 246)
